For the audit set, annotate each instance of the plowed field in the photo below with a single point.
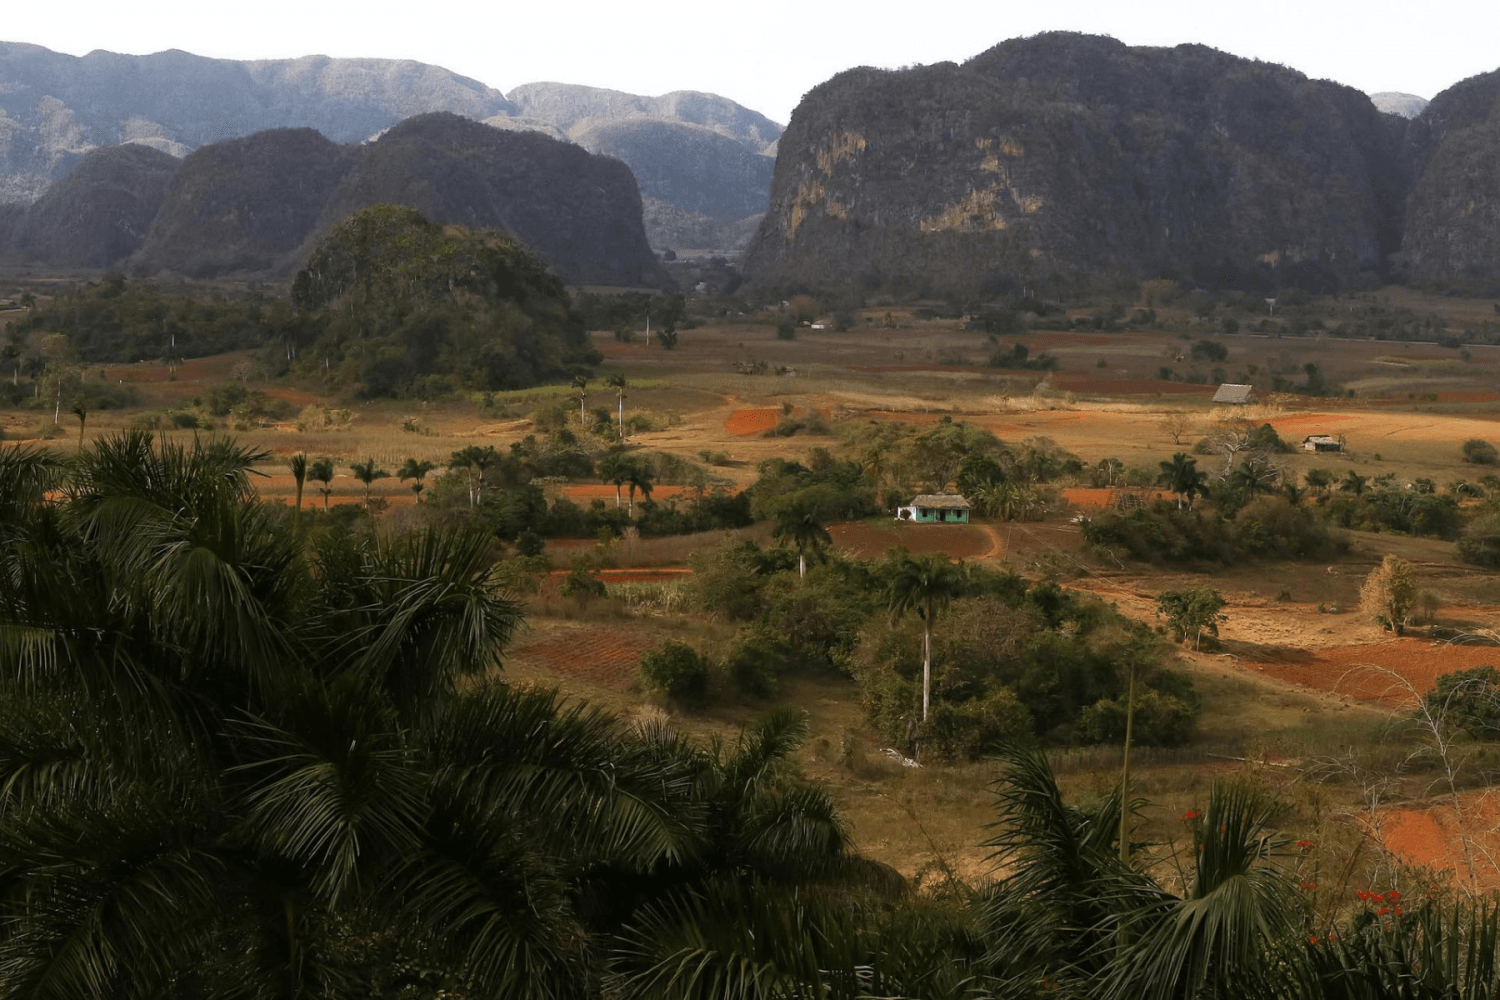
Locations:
(744, 423)
(604, 656)
(1379, 671)
(1434, 837)
(961, 541)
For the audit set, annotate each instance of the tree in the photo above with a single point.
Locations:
(581, 383)
(637, 477)
(297, 465)
(284, 774)
(1389, 594)
(617, 383)
(367, 472)
(1190, 613)
(925, 585)
(615, 467)
(799, 526)
(81, 411)
(415, 470)
(1182, 477)
(321, 471)
(475, 461)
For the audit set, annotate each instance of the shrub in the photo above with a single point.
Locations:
(676, 671)
(1389, 594)
(1470, 701)
(1480, 452)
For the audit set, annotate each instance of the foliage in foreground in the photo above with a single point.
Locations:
(237, 761)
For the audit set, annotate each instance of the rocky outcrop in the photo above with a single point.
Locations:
(1064, 155)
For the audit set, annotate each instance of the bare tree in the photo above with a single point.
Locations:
(1177, 423)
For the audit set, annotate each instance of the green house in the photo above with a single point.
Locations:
(936, 508)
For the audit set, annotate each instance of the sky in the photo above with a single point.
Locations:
(765, 54)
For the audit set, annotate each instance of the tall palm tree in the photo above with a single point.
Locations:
(925, 585)
(416, 470)
(81, 411)
(321, 471)
(617, 383)
(367, 472)
(800, 527)
(581, 383)
(297, 464)
(1182, 477)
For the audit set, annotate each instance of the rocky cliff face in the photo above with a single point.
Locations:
(1452, 222)
(1062, 155)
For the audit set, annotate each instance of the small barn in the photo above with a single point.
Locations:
(936, 508)
(1235, 395)
(1322, 442)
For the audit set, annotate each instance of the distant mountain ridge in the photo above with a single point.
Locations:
(55, 108)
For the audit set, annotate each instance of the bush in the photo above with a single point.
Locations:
(676, 671)
(1480, 452)
(1470, 700)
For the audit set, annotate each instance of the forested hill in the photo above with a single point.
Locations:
(1062, 155)
(257, 204)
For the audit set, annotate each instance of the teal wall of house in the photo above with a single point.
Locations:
(928, 515)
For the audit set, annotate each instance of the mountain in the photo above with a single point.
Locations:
(569, 105)
(704, 163)
(258, 204)
(1395, 103)
(1452, 222)
(98, 214)
(1064, 155)
(54, 108)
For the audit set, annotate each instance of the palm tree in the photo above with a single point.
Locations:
(474, 460)
(617, 383)
(615, 467)
(638, 477)
(321, 471)
(924, 584)
(801, 528)
(1182, 477)
(81, 410)
(1354, 483)
(581, 383)
(1254, 475)
(417, 470)
(367, 472)
(298, 466)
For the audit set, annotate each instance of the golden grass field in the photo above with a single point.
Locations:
(1289, 683)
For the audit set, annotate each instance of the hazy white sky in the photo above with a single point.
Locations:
(766, 54)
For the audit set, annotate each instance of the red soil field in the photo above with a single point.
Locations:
(602, 655)
(1365, 672)
(744, 423)
(961, 541)
(1433, 837)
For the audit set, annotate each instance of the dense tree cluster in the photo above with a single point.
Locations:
(405, 305)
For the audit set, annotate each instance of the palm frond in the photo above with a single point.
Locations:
(589, 789)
